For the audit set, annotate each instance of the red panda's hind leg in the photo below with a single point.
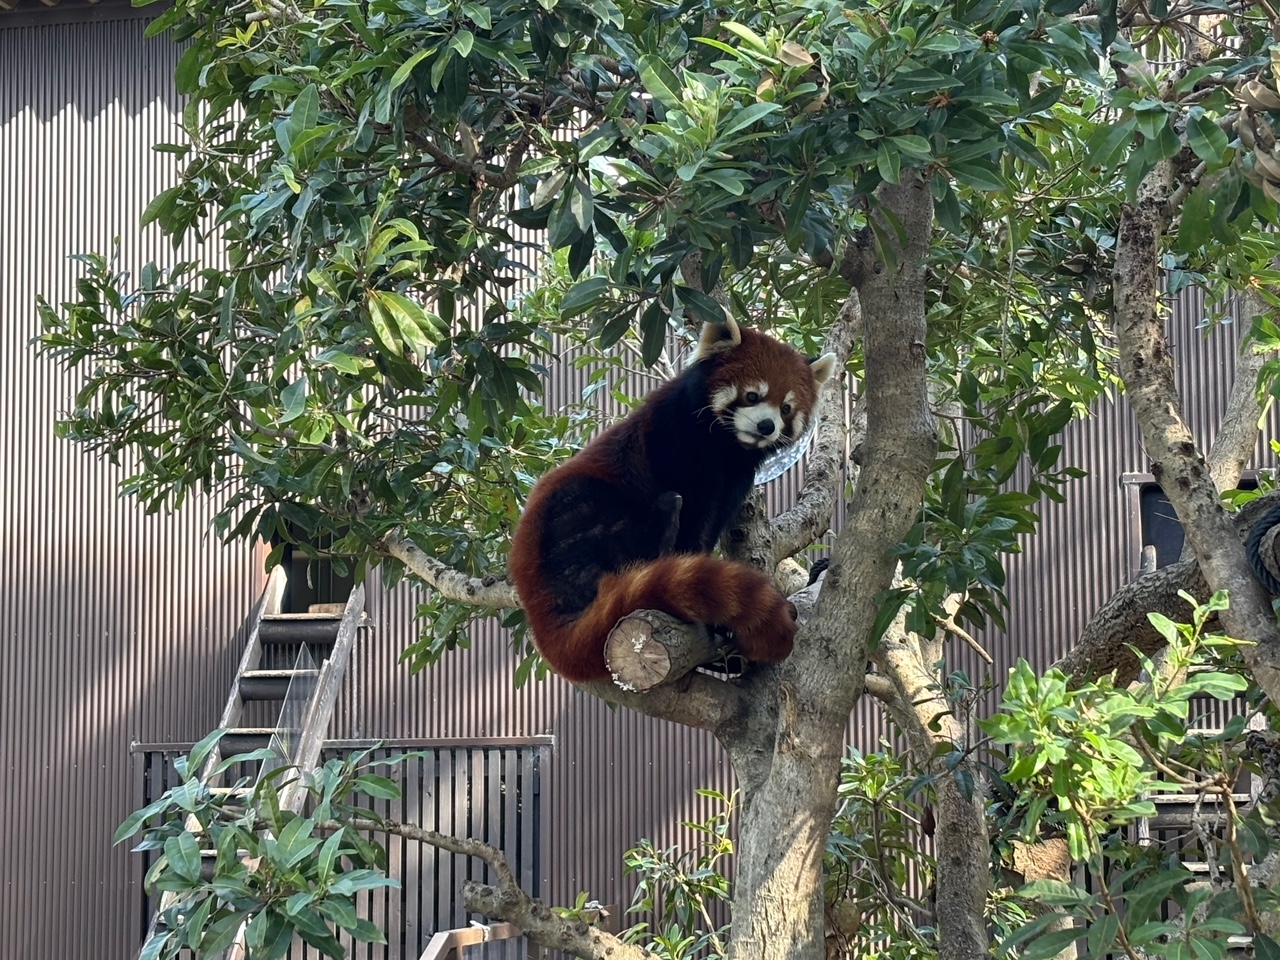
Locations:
(667, 508)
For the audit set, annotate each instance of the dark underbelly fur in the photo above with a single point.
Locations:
(674, 492)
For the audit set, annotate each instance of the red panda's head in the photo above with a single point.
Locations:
(763, 389)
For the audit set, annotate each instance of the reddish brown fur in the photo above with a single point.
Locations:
(692, 587)
(581, 558)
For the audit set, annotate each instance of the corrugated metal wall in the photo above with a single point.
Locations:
(487, 790)
(118, 626)
(115, 625)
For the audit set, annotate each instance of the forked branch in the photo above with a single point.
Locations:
(504, 900)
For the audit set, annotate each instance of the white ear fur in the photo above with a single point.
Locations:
(718, 337)
(823, 367)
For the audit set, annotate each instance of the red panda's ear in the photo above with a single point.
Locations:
(718, 337)
(823, 367)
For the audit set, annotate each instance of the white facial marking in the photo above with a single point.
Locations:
(789, 398)
(758, 426)
(759, 389)
(797, 428)
(721, 399)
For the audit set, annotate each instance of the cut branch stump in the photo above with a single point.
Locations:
(648, 648)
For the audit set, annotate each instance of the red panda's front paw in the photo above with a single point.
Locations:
(771, 641)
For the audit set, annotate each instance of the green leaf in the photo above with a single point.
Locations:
(660, 80)
(581, 207)
(1102, 934)
(913, 146)
(732, 181)
(405, 69)
(340, 911)
(416, 326)
(653, 332)
(462, 42)
(383, 328)
(1050, 944)
(293, 400)
(295, 841)
(705, 308)
(479, 15)
(356, 880)
(183, 854)
(270, 933)
(1057, 893)
(747, 116)
(583, 295)
(748, 36)
(219, 934)
(203, 748)
(160, 205)
(1205, 137)
(305, 111)
(339, 359)
(978, 174)
(383, 788)
(328, 857)
(1265, 948)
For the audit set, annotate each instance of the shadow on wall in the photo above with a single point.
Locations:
(89, 59)
(115, 625)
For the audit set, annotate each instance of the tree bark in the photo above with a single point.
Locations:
(648, 648)
(1146, 367)
(962, 844)
(790, 793)
(504, 900)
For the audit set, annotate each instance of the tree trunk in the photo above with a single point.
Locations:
(787, 750)
(962, 844)
(778, 905)
(1146, 366)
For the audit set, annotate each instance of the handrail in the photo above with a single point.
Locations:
(448, 944)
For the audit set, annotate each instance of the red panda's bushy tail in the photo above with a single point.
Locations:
(695, 588)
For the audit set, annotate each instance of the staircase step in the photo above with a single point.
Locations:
(243, 739)
(270, 684)
(336, 609)
(318, 629)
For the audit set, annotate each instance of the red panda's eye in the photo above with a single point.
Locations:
(753, 397)
(786, 409)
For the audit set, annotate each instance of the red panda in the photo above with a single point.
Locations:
(630, 521)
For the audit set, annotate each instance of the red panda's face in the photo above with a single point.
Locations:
(765, 391)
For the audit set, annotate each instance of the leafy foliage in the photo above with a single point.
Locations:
(233, 858)
(1087, 761)
(680, 889)
(377, 184)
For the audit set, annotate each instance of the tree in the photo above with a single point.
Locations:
(971, 201)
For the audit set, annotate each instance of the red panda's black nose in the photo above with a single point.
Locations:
(765, 427)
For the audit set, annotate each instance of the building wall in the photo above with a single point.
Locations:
(116, 625)
(120, 627)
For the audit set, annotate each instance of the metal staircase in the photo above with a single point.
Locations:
(306, 696)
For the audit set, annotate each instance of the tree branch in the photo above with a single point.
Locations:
(929, 722)
(505, 900)
(810, 518)
(697, 700)
(1146, 367)
(1121, 622)
(648, 648)
(1237, 436)
(492, 591)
